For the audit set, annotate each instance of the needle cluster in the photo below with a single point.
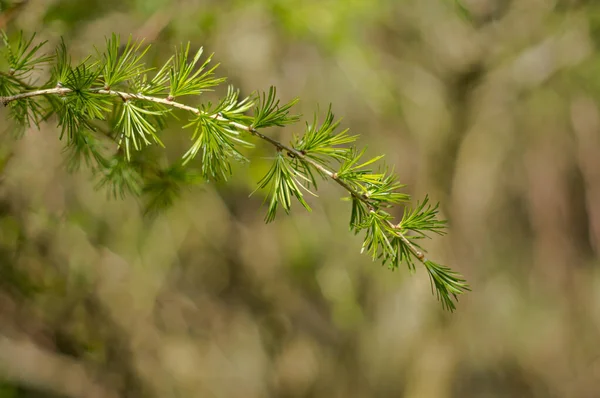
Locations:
(112, 110)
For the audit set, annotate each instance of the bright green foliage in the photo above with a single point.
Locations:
(136, 127)
(112, 114)
(158, 85)
(23, 56)
(354, 172)
(377, 241)
(231, 107)
(268, 113)
(62, 64)
(89, 104)
(384, 189)
(215, 140)
(321, 143)
(185, 81)
(124, 66)
(420, 220)
(446, 283)
(381, 187)
(283, 183)
(71, 120)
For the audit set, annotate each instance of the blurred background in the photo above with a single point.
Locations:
(490, 106)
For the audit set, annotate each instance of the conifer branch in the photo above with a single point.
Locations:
(115, 89)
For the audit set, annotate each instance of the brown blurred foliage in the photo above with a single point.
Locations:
(490, 106)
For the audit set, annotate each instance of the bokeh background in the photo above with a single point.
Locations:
(490, 106)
